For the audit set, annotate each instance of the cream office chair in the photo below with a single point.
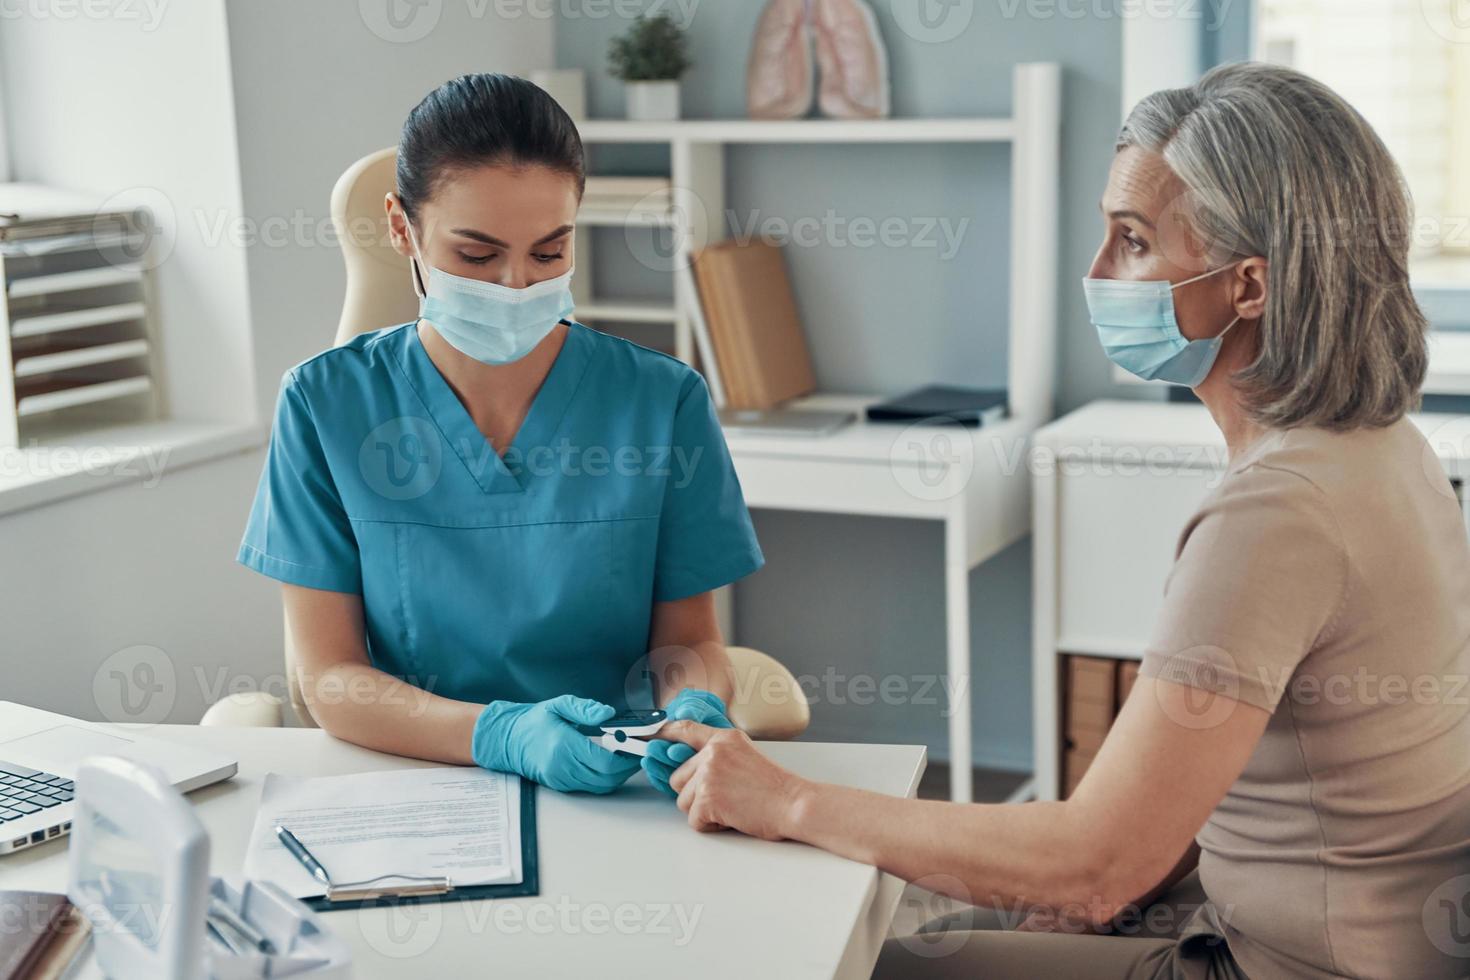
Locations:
(768, 703)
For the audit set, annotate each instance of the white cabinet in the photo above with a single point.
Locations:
(1111, 571)
(1113, 484)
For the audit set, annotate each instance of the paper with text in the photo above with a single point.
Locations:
(461, 823)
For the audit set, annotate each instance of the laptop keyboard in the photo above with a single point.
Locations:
(25, 791)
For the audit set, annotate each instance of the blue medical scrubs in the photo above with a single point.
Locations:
(487, 578)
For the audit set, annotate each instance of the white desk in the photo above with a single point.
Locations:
(1113, 485)
(627, 889)
(973, 481)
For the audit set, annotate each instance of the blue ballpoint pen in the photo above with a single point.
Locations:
(299, 852)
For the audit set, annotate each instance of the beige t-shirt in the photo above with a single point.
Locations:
(1327, 580)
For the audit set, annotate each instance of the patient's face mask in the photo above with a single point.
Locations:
(1136, 325)
(492, 323)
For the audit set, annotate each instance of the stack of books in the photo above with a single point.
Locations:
(621, 194)
(750, 333)
(1095, 689)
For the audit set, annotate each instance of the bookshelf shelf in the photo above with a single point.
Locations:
(82, 395)
(610, 217)
(62, 360)
(75, 319)
(65, 282)
(955, 130)
(628, 311)
(865, 469)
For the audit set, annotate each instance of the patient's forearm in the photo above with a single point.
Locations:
(1008, 856)
(364, 705)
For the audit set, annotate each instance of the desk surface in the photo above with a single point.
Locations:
(625, 883)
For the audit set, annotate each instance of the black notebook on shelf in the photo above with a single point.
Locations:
(943, 404)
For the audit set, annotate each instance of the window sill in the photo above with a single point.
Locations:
(50, 469)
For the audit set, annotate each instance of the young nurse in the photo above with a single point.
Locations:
(483, 521)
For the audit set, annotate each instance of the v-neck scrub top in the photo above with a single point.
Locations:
(486, 578)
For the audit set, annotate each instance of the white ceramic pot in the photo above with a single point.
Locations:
(568, 86)
(653, 101)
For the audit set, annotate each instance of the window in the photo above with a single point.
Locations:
(1413, 85)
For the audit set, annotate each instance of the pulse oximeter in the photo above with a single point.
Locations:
(626, 732)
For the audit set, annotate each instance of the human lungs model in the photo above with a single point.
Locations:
(778, 82)
(849, 53)
(853, 63)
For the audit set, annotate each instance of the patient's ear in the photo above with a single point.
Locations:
(1251, 288)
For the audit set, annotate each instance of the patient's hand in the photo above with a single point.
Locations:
(731, 784)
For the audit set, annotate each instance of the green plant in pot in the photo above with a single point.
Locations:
(650, 58)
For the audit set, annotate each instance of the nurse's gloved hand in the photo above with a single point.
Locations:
(690, 704)
(541, 742)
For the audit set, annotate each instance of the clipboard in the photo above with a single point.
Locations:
(529, 885)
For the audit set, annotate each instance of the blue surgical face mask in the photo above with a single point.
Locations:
(492, 323)
(1135, 323)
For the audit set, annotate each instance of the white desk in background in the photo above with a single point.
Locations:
(972, 480)
(627, 889)
(1113, 485)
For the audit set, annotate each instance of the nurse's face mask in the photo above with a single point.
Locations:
(492, 323)
(1137, 328)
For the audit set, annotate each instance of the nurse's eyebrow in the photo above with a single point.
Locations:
(1127, 214)
(480, 236)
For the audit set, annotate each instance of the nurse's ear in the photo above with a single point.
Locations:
(399, 237)
(397, 225)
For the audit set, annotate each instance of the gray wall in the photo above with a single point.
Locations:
(864, 596)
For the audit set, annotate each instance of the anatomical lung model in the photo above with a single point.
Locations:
(849, 52)
(778, 82)
(852, 60)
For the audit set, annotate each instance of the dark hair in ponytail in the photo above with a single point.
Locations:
(484, 119)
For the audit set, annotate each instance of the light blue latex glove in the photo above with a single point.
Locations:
(690, 704)
(541, 742)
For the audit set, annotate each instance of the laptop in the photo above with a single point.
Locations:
(39, 755)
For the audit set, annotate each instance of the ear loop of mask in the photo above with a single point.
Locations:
(416, 261)
(1205, 275)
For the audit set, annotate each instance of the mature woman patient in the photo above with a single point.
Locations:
(1286, 792)
(485, 519)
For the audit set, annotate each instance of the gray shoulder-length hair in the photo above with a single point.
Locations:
(1278, 165)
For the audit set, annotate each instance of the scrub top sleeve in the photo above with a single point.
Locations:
(298, 530)
(705, 538)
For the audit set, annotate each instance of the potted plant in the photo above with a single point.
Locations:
(649, 59)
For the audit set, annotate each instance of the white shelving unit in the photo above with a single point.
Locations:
(981, 495)
(75, 312)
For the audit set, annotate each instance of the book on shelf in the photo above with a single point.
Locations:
(755, 329)
(627, 193)
(634, 187)
(716, 318)
(944, 403)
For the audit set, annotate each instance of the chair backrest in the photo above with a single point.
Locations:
(379, 290)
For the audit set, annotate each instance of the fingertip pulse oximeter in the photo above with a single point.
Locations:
(626, 732)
